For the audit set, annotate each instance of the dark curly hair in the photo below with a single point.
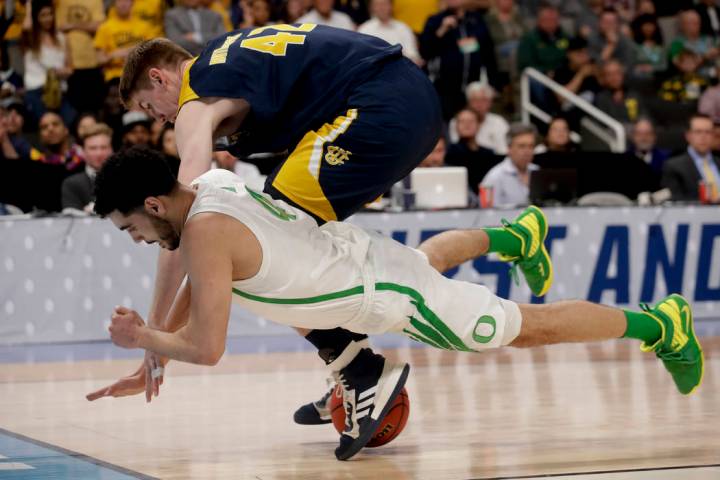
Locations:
(129, 177)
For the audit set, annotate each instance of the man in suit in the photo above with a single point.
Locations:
(683, 173)
(644, 145)
(191, 26)
(78, 189)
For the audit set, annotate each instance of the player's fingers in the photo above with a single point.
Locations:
(97, 394)
(148, 382)
(119, 309)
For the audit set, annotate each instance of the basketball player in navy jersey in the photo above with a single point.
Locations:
(353, 114)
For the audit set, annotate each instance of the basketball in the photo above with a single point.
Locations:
(389, 428)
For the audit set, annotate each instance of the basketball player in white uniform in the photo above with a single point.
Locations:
(274, 260)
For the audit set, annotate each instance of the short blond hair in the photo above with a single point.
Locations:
(158, 52)
(97, 129)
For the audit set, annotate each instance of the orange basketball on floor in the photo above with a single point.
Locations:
(390, 426)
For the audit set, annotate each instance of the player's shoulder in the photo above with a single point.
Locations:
(218, 177)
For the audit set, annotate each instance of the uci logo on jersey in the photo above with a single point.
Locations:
(336, 155)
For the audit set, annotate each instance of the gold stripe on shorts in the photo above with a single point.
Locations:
(298, 178)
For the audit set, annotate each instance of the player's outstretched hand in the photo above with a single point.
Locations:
(125, 327)
(126, 386)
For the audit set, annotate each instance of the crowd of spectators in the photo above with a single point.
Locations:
(651, 65)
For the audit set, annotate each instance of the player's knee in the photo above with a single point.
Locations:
(535, 331)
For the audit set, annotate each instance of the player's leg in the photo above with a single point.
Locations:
(520, 241)
(456, 315)
(666, 329)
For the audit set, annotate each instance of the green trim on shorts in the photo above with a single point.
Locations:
(432, 331)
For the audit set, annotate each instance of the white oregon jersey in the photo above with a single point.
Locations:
(309, 277)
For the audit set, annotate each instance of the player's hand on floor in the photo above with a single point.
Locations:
(126, 386)
(154, 374)
(125, 327)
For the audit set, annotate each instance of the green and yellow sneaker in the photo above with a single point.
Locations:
(678, 347)
(534, 262)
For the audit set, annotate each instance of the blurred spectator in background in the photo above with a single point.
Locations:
(436, 158)
(358, 10)
(687, 85)
(506, 29)
(257, 13)
(716, 139)
(650, 55)
(492, 128)
(15, 11)
(710, 103)
(84, 123)
(11, 82)
(78, 189)
(58, 147)
(458, 48)
(544, 47)
(15, 121)
(691, 38)
(136, 129)
(323, 13)
(191, 25)
(510, 179)
(414, 13)
(116, 36)
(625, 9)
(383, 25)
(643, 145)
(709, 18)
(224, 13)
(557, 139)
(608, 42)
(589, 18)
(466, 152)
(79, 20)
(7, 149)
(579, 73)
(615, 99)
(47, 63)
(112, 112)
(152, 12)
(166, 142)
(292, 10)
(682, 174)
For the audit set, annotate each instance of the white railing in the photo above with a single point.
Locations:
(599, 123)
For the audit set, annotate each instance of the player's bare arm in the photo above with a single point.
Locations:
(211, 272)
(197, 125)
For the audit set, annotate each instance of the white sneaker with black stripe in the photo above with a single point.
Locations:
(370, 385)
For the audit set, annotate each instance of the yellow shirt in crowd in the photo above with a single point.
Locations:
(151, 12)
(218, 7)
(15, 29)
(415, 13)
(116, 33)
(82, 49)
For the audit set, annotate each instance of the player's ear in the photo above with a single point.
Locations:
(155, 75)
(155, 207)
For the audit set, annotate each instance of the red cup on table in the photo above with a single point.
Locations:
(486, 195)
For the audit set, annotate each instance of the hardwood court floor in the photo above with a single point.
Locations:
(563, 409)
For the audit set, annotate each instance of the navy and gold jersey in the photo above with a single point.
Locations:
(295, 77)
